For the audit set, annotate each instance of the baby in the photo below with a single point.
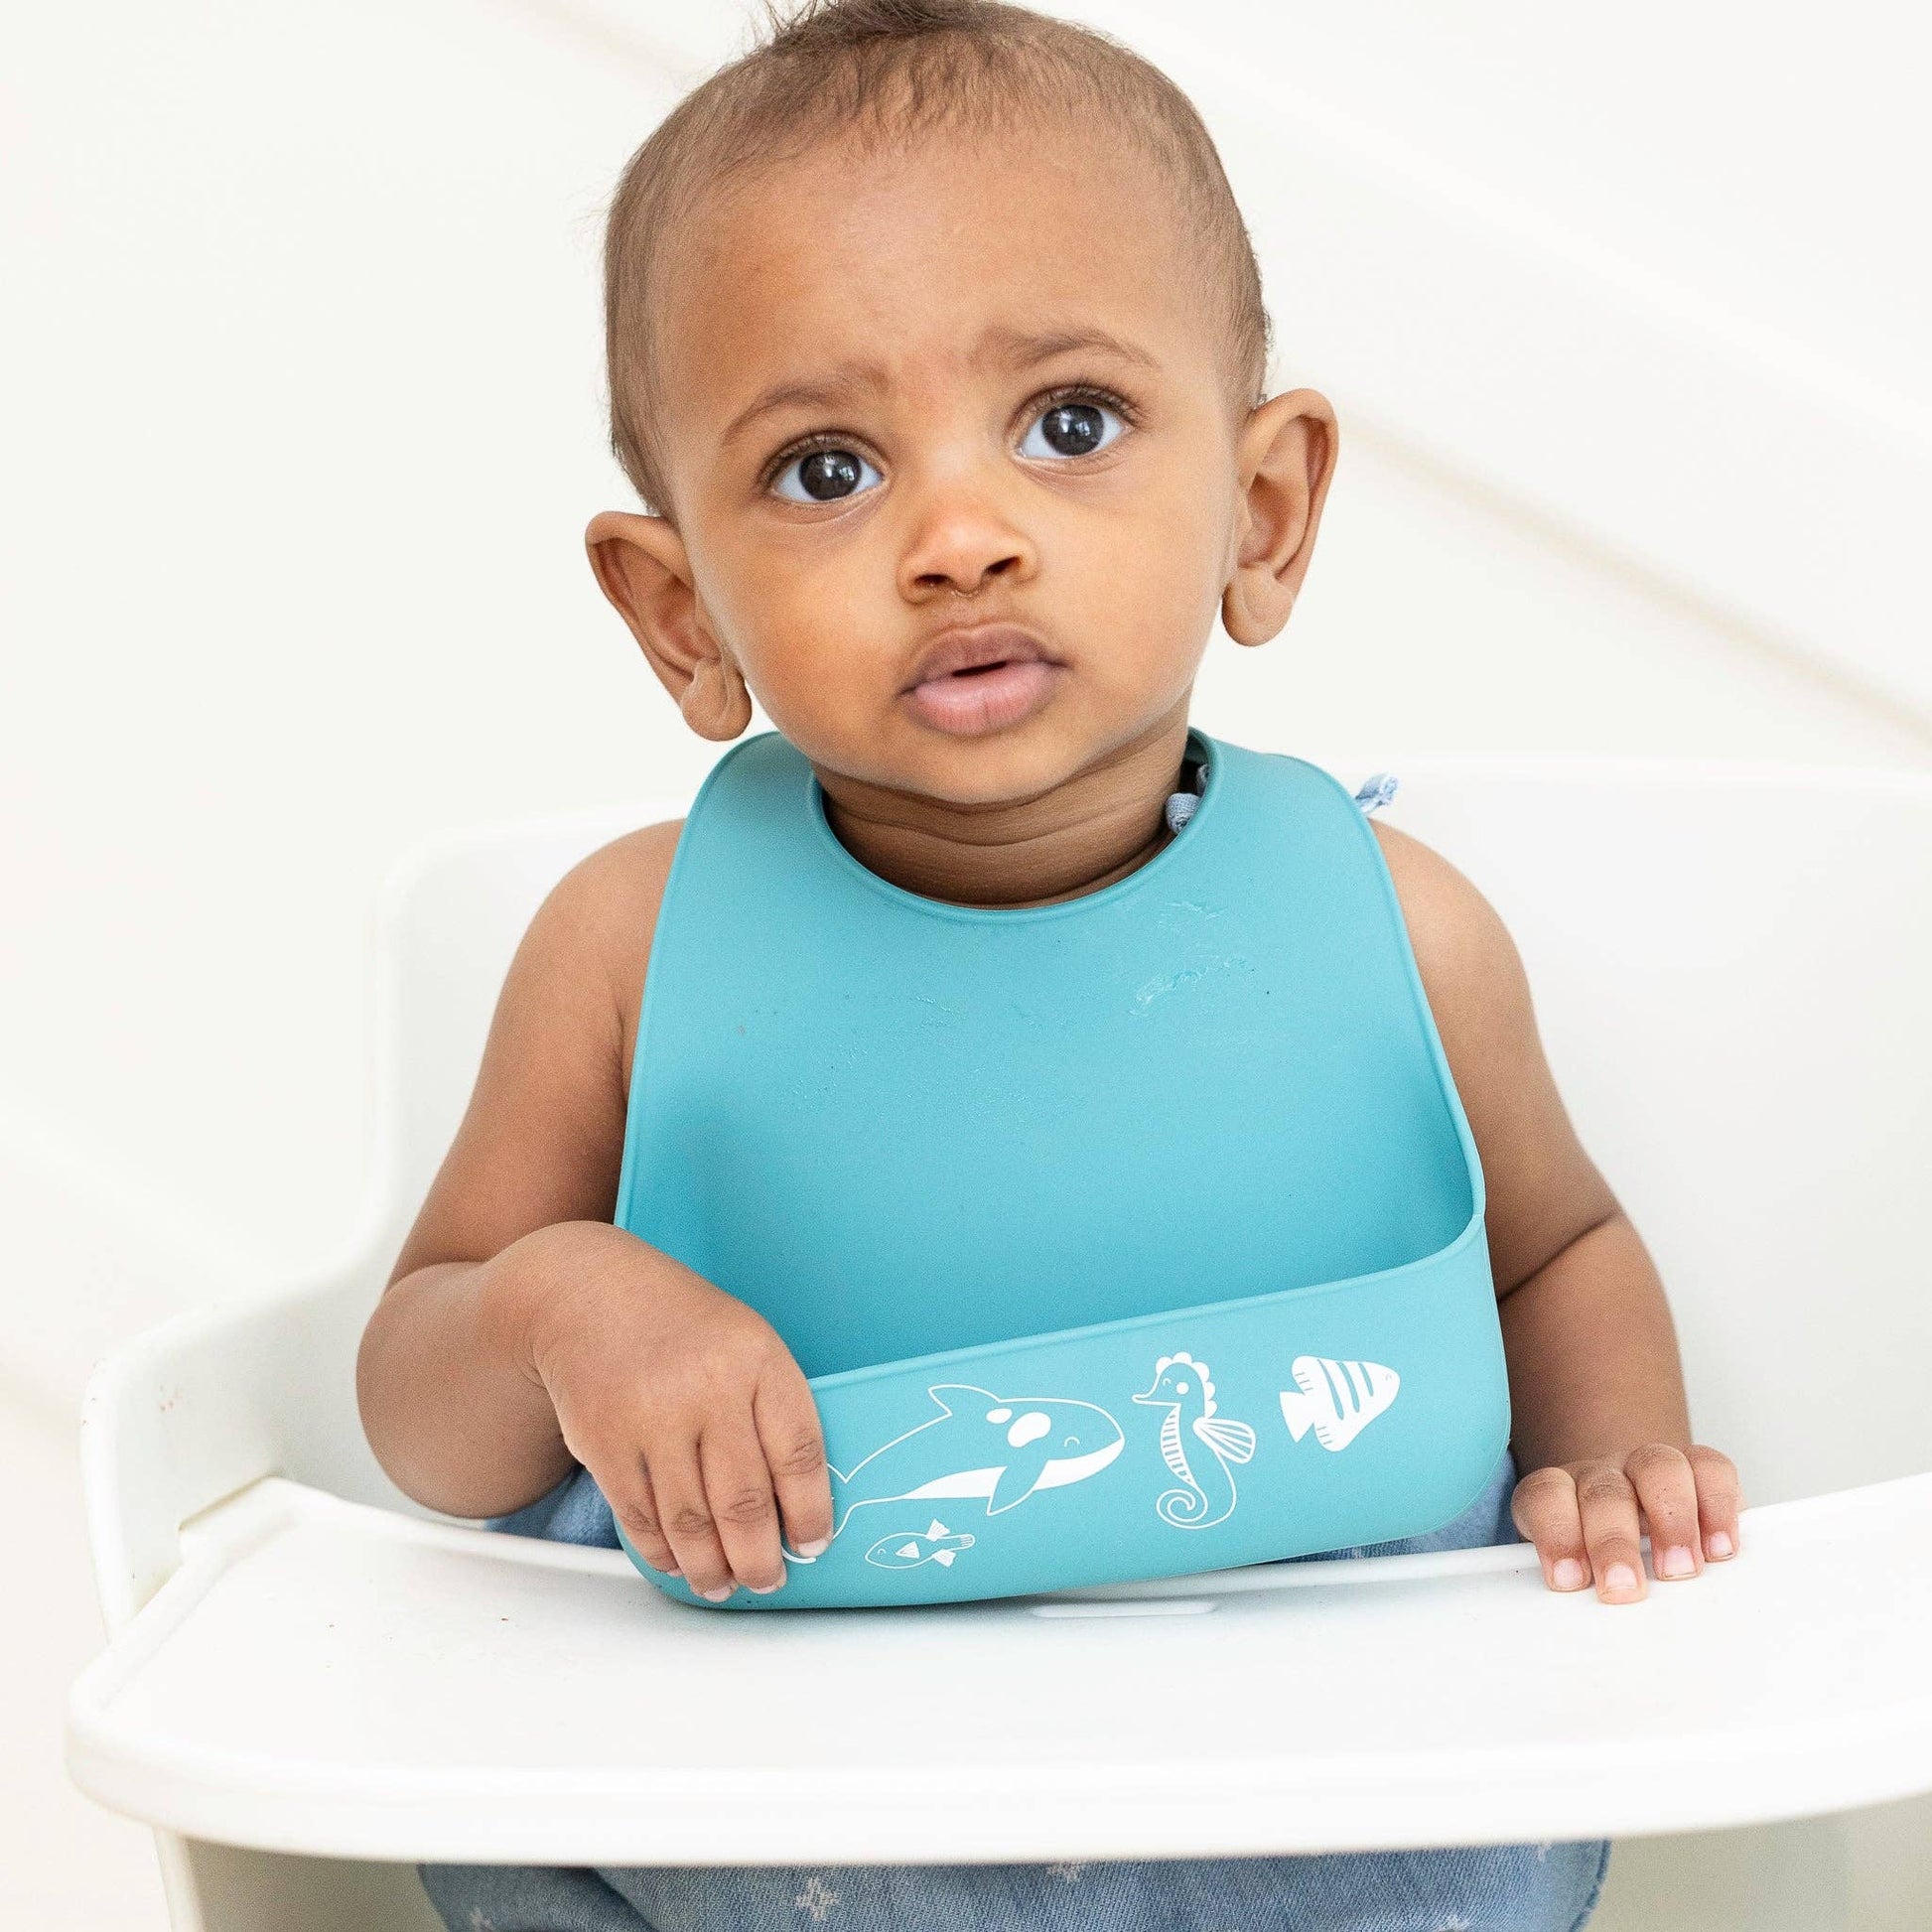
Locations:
(938, 353)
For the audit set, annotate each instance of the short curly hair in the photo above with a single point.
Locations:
(878, 70)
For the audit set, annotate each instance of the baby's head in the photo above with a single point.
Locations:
(935, 337)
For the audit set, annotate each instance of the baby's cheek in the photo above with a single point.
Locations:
(1162, 584)
(1149, 630)
(807, 642)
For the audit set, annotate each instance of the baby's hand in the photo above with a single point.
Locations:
(1585, 1518)
(692, 1415)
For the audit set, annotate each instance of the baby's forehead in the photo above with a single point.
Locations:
(950, 251)
(772, 184)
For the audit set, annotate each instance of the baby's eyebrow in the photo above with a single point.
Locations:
(821, 393)
(1019, 349)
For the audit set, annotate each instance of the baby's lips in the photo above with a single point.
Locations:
(967, 704)
(966, 646)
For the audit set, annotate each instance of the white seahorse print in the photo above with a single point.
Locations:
(1182, 1387)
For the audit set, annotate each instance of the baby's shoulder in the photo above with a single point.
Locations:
(1469, 965)
(609, 901)
(626, 875)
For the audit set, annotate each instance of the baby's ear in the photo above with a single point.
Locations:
(640, 565)
(1285, 457)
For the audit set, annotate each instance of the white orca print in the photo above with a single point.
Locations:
(1002, 1447)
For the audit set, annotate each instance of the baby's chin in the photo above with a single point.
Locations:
(1009, 765)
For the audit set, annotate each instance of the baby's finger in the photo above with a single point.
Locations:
(1668, 1492)
(794, 1452)
(738, 1486)
(685, 1515)
(1608, 1503)
(1719, 1500)
(633, 1503)
(1543, 1509)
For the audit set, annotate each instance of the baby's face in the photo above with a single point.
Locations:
(969, 393)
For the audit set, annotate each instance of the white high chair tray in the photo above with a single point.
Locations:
(325, 1677)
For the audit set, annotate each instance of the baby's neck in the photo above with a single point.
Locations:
(1106, 821)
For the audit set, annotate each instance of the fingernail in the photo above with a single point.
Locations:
(1677, 1562)
(1717, 1544)
(1619, 1576)
(765, 1590)
(816, 1548)
(1569, 1574)
(717, 1596)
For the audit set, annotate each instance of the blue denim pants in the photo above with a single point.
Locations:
(1487, 1889)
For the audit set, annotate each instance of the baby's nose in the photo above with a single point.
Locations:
(963, 577)
(961, 546)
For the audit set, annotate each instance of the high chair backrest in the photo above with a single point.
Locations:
(205, 1405)
(449, 918)
(1729, 966)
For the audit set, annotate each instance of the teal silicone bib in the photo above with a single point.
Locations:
(1126, 1237)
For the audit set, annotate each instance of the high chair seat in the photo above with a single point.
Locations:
(1729, 965)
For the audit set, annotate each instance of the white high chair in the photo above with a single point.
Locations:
(311, 1681)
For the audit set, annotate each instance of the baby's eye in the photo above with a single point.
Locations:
(1076, 427)
(823, 477)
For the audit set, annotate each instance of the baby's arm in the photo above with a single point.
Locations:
(521, 1330)
(1602, 1432)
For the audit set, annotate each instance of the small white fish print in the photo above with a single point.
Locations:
(1337, 1400)
(908, 1549)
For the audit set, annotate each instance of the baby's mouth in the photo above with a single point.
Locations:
(982, 698)
(974, 650)
(981, 679)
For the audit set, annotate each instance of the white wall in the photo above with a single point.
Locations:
(303, 391)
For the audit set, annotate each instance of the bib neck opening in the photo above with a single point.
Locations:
(1200, 748)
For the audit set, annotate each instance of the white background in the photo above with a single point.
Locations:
(1626, 316)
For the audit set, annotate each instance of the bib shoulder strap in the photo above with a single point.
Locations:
(1377, 790)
